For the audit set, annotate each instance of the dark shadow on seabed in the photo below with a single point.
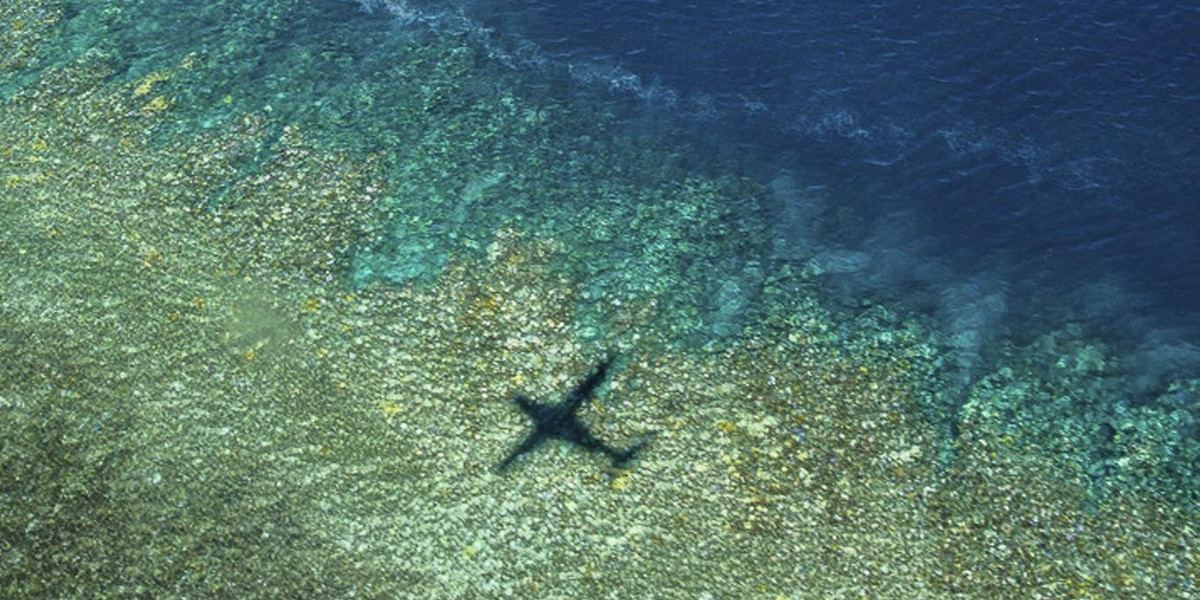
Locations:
(559, 422)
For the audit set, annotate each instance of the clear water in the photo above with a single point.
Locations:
(893, 300)
(1047, 152)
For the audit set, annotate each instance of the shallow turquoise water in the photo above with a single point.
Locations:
(472, 135)
(469, 158)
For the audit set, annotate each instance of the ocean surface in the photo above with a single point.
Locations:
(1032, 163)
(625, 299)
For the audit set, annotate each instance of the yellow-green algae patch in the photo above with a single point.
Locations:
(26, 24)
(194, 405)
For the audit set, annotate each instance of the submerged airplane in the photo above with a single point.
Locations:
(559, 422)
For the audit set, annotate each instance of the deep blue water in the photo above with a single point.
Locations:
(1008, 165)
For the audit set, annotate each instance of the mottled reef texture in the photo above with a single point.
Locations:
(195, 402)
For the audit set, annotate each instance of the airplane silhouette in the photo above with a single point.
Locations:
(559, 422)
